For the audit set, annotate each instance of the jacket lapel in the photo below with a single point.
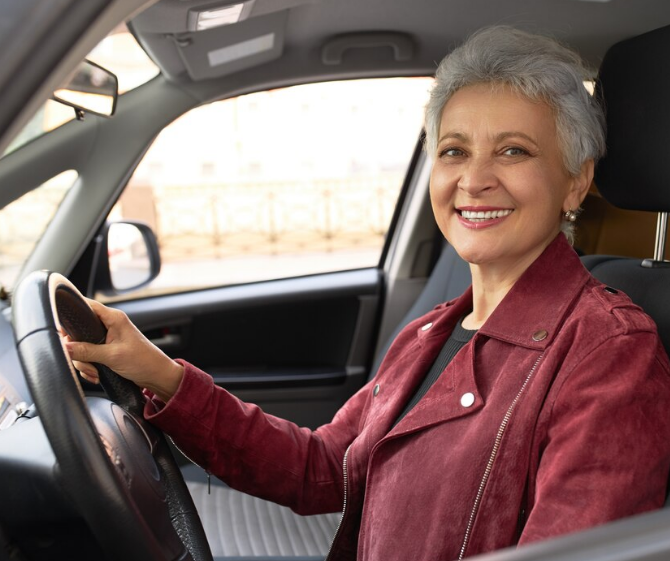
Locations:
(443, 400)
(455, 394)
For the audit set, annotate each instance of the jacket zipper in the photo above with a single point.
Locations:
(494, 452)
(344, 503)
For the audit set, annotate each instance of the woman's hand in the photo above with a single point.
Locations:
(128, 353)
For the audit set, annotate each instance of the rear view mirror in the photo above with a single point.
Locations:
(92, 89)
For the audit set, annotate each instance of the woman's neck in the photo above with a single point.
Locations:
(490, 284)
(485, 299)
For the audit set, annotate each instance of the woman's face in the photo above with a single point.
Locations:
(498, 185)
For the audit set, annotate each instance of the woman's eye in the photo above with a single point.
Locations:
(452, 152)
(514, 151)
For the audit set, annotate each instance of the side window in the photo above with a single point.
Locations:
(280, 183)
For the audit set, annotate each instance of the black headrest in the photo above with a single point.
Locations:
(634, 84)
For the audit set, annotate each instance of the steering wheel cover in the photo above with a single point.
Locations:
(88, 475)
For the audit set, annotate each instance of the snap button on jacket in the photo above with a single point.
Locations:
(565, 426)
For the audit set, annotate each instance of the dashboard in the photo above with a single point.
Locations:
(14, 394)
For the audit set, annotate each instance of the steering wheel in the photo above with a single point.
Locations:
(116, 468)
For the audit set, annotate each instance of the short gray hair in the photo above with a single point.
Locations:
(535, 66)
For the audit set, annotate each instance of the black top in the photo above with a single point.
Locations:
(457, 340)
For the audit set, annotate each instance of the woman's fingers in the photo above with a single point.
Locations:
(87, 371)
(84, 352)
(81, 359)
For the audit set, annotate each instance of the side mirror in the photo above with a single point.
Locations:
(129, 258)
(92, 89)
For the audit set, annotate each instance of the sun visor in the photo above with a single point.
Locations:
(213, 53)
(633, 84)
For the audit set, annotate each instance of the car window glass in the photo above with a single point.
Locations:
(281, 183)
(120, 53)
(23, 222)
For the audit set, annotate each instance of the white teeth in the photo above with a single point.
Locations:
(478, 216)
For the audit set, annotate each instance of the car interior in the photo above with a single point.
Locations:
(298, 344)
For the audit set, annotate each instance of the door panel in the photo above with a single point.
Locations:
(298, 348)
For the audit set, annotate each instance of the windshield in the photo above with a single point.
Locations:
(23, 222)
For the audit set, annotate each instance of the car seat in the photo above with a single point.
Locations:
(635, 174)
(239, 526)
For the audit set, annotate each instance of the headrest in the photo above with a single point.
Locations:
(634, 83)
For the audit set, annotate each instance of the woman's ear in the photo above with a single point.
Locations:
(580, 186)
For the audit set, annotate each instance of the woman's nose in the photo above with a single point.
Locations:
(477, 175)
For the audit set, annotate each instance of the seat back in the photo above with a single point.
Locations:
(635, 175)
(648, 288)
(449, 279)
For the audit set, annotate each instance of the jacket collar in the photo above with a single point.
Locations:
(533, 310)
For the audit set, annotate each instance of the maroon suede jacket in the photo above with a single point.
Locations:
(554, 418)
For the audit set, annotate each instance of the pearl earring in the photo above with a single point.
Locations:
(570, 216)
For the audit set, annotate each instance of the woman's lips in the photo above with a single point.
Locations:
(482, 217)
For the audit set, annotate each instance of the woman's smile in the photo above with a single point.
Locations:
(482, 217)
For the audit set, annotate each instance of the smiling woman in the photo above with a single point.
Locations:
(519, 139)
(510, 389)
(500, 187)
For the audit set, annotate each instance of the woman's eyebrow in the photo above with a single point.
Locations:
(455, 135)
(511, 134)
(462, 137)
